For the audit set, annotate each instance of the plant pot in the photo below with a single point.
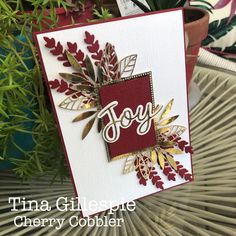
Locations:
(196, 25)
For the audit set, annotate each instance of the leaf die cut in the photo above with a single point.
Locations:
(154, 156)
(76, 102)
(173, 151)
(161, 159)
(167, 109)
(89, 38)
(173, 130)
(84, 115)
(109, 64)
(73, 78)
(84, 88)
(99, 125)
(89, 105)
(94, 47)
(127, 65)
(72, 47)
(129, 165)
(88, 127)
(168, 120)
(57, 50)
(73, 61)
(90, 69)
(50, 43)
(171, 161)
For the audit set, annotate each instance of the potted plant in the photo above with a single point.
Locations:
(196, 20)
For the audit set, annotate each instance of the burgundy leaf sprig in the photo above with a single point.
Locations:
(58, 50)
(168, 172)
(93, 47)
(152, 173)
(155, 178)
(183, 173)
(182, 144)
(62, 86)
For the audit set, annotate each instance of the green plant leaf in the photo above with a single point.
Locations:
(141, 5)
(218, 29)
(231, 49)
(181, 3)
(151, 4)
(207, 3)
(203, 7)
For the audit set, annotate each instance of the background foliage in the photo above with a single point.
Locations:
(29, 141)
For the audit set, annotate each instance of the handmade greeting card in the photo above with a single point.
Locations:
(118, 90)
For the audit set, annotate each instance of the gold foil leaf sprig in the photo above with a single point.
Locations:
(84, 115)
(73, 62)
(161, 121)
(129, 164)
(172, 130)
(127, 65)
(76, 103)
(89, 125)
(90, 69)
(109, 64)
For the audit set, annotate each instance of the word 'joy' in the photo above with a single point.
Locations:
(142, 115)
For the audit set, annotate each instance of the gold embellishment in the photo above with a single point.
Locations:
(90, 69)
(84, 115)
(77, 103)
(167, 109)
(129, 165)
(74, 63)
(165, 148)
(149, 149)
(88, 127)
(127, 65)
(168, 120)
(73, 78)
(174, 151)
(171, 161)
(172, 130)
(161, 159)
(154, 156)
(143, 165)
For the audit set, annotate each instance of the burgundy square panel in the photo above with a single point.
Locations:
(129, 94)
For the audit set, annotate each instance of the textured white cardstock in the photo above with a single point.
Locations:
(158, 40)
